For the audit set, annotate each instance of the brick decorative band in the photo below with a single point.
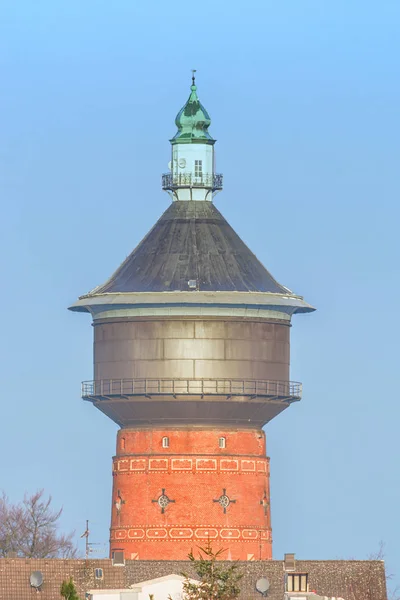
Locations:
(182, 464)
(184, 533)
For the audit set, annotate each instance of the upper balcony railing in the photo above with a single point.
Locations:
(173, 181)
(108, 389)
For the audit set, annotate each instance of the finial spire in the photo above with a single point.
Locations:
(192, 120)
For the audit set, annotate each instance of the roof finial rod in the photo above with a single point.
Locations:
(194, 76)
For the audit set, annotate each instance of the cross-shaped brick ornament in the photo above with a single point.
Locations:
(264, 503)
(119, 502)
(224, 500)
(163, 501)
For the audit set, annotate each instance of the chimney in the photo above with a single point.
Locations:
(289, 562)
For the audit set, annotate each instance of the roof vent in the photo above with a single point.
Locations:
(192, 284)
(36, 579)
(289, 562)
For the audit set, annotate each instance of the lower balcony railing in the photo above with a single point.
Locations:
(173, 181)
(111, 388)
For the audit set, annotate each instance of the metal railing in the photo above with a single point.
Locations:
(109, 388)
(173, 181)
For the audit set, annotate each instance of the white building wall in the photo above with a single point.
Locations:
(114, 594)
(162, 588)
(198, 186)
(187, 154)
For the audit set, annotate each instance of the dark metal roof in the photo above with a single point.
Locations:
(191, 242)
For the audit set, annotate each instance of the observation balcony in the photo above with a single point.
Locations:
(107, 389)
(174, 181)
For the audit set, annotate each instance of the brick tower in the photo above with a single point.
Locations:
(191, 360)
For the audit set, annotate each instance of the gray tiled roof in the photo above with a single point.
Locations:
(191, 241)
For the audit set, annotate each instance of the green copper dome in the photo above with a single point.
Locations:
(192, 122)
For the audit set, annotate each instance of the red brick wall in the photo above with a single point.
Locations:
(193, 472)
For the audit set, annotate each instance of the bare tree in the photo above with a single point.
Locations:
(393, 593)
(368, 583)
(30, 529)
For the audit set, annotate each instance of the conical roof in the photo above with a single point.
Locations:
(191, 242)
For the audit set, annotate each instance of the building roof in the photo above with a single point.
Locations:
(347, 579)
(191, 242)
(15, 574)
(192, 122)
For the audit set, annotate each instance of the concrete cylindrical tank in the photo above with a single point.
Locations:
(191, 349)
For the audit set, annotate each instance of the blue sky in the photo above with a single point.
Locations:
(304, 99)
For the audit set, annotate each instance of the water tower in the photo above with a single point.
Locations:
(191, 360)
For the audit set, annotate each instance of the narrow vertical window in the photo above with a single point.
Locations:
(303, 583)
(165, 442)
(297, 582)
(123, 443)
(222, 442)
(198, 168)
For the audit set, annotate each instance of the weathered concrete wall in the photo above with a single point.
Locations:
(191, 349)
